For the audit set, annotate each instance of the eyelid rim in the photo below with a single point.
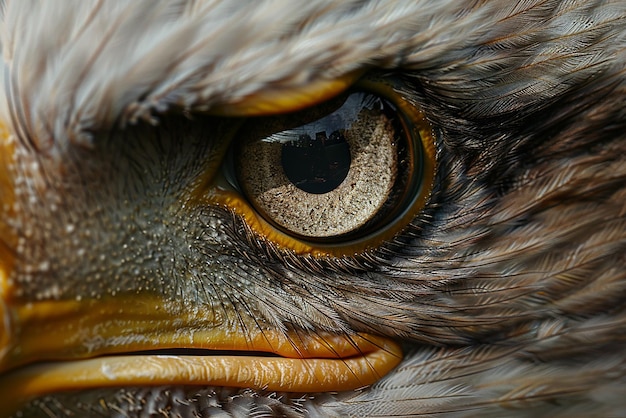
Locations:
(279, 101)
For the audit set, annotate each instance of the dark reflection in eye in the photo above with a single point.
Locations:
(317, 165)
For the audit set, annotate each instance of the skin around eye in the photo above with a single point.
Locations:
(328, 177)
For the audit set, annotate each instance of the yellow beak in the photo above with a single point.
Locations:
(49, 347)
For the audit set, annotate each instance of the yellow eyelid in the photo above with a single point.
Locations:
(280, 100)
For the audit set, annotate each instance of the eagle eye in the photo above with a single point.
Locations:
(340, 172)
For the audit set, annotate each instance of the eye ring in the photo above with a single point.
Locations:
(405, 184)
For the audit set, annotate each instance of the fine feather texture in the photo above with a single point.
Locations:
(507, 290)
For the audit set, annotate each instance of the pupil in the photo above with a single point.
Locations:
(316, 164)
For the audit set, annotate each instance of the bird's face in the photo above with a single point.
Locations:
(323, 208)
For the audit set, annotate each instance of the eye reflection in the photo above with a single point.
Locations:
(317, 165)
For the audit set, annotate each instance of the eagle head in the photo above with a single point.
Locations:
(312, 208)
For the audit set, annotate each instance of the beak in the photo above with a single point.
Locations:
(51, 344)
(55, 346)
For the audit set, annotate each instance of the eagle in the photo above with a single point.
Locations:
(312, 208)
